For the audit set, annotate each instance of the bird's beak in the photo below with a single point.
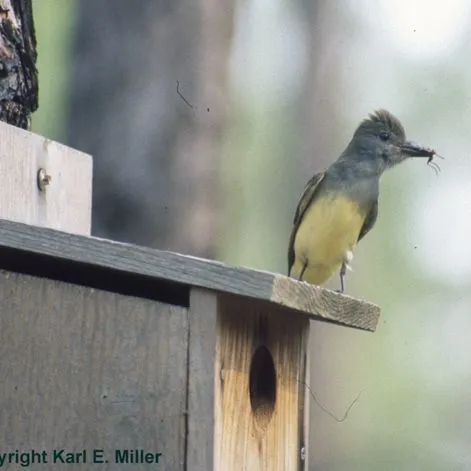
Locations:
(411, 149)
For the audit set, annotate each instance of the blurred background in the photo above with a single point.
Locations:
(206, 119)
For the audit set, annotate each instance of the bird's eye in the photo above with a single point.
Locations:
(384, 135)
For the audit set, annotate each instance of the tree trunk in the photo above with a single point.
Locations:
(18, 73)
(148, 103)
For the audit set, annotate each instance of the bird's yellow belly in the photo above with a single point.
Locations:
(330, 228)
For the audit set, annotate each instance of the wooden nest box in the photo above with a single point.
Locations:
(116, 352)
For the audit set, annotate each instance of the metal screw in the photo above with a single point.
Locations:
(43, 179)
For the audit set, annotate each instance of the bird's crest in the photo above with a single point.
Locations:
(388, 120)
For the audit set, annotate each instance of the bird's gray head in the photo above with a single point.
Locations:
(381, 139)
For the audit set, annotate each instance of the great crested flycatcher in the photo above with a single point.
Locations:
(339, 206)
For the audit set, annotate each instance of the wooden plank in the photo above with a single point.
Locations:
(324, 303)
(306, 403)
(201, 378)
(87, 369)
(66, 202)
(314, 302)
(259, 421)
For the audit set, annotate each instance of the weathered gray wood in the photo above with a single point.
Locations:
(327, 304)
(201, 378)
(316, 303)
(66, 202)
(84, 369)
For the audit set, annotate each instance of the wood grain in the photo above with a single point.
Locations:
(242, 440)
(201, 378)
(66, 202)
(326, 304)
(57, 247)
(85, 369)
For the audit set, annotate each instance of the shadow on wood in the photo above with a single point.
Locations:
(119, 347)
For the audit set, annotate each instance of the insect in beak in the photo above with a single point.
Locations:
(415, 150)
(432, 164)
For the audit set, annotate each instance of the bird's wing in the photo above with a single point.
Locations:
(304, 202)
(369, 220)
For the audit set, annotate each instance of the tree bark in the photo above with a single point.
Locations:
(18, 73)
(155, 146)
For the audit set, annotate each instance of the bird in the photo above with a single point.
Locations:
(340, 205)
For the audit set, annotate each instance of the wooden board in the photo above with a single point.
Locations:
(66, 203)
(59, 254)
(201, 378)
(87, 369)
(265, 433)
(327, 304)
